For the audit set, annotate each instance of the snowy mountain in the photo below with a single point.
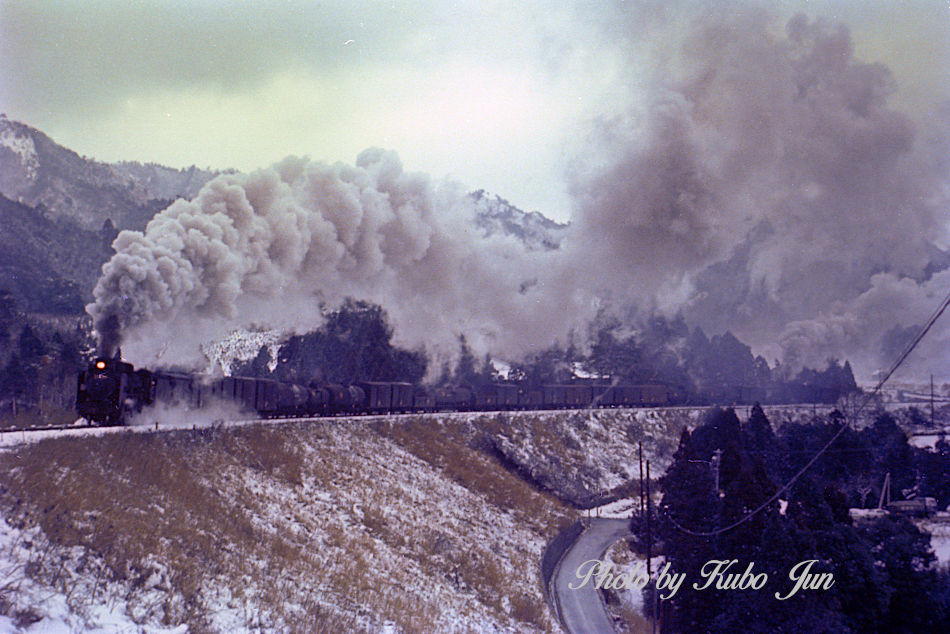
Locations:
(495, 215)
(61, 211)
(39, 173)
(49, 266)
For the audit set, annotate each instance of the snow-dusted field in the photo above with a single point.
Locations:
(388, 523)
(77, 599)
(299, 526)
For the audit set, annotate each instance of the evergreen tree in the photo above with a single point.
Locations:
(354, 344)
(916, 601)
(29, 346)
(883, 574)
(256, 367)
(689, 500)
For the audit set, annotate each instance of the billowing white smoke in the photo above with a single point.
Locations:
(164, 415)
(757, 180)
(859, 328)
(767, 187)
(268, 248)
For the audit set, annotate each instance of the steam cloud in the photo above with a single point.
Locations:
(271, 246)
(767, 187)
(760, 182)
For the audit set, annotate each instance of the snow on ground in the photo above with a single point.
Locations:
(53, 605)
(359, 531)
(579, 453)
(23, 147)
(365, 532)
(582, 454)
(628, 607)
(391, 512)
(9, 439)
(623, 508)
(939, 530)
(169, 418)
(926, 441)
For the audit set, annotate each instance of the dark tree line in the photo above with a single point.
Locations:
(38, 363)
(700, 369)
(468, 370)
(885, 579)
(354, 344)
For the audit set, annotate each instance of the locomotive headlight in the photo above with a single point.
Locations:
(101, 365)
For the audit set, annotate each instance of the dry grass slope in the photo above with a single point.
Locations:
(297, 527)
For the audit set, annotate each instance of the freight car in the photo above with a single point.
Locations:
(109, 391)
(917, 507)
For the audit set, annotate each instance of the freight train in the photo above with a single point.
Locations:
(110, 391)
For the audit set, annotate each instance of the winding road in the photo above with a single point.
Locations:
(582, 610)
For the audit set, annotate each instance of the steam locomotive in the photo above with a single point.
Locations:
(110, 391)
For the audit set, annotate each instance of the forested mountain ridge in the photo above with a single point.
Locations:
(38, 172)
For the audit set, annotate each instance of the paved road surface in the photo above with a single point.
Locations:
(582, 610)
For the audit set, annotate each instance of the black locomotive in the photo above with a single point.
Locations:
(111, 390)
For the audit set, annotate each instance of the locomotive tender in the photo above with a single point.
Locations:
(109, 391)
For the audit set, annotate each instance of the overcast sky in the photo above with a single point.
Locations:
(497, 96)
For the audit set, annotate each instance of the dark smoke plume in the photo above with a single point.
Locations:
(760, 181)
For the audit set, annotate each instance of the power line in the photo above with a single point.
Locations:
(900, 360)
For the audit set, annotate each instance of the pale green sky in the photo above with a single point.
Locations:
(494, 95)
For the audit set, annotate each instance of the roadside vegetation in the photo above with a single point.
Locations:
(886, 577)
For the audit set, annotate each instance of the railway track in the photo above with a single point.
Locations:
(14, 436)
(38, 428)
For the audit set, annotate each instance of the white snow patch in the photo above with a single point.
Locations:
(926, 441)
(77, 599)
(242, 345)
(24, 148)
(620, 509)
(939, 537)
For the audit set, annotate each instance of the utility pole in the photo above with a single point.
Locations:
(885, 491)
(650, 548)
(931, 400)
(717, 458)
(649, 526)
(716, 461)
(642, 501)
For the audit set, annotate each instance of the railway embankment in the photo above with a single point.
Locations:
(328, 526)
(408, 523)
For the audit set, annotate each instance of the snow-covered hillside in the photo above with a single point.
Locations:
(241, 345)
(403, 523)
(301, 527)
(22, 148)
